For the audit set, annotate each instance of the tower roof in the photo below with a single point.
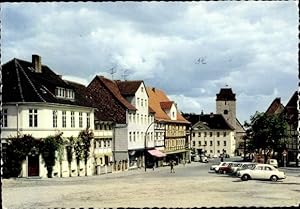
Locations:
(226, 94)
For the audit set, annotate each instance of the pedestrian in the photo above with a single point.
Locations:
(172, 166)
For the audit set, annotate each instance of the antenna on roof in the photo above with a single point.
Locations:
(112, 71)
(125, 74)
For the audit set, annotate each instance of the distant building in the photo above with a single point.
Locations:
(226, 106)
(211, 135)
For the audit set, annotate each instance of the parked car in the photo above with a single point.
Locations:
(243, 166)
(224, 164)
(273, 162)
(261, 171)
(203, 159)
(235, 166)
(225, 168)
(214, 167)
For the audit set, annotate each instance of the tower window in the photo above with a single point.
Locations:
(225, 112)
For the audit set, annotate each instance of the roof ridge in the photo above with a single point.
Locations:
(19, 81)
(31, 83)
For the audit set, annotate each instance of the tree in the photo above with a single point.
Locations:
(69, 149)
(50, 145)
(265, 132)
(16, 151)
(78, 149)
(86, 137)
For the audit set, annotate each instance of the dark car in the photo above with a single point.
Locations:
(225, 169)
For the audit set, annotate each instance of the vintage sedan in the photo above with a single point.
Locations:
(261, 171)
(216, 167)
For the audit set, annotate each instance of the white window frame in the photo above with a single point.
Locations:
(33, 118)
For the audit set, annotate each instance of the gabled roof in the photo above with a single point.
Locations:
(225, 94)
(166, 105)
(212, 121)
(128, 88)
(112, 86)
(22, 84)
(275, 107)
(291, 109)
(158, 97)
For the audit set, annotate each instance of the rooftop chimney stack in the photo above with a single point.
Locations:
(37, 63)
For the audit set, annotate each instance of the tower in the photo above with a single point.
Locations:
(226, 105)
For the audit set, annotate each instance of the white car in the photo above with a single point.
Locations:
(261, 171)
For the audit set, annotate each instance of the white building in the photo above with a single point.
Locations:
(126, 104)
(38, 102)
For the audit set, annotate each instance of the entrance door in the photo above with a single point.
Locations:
(33, 165)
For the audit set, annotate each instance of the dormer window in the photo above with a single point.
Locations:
(64, 93)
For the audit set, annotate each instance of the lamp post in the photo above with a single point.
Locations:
(145, 143)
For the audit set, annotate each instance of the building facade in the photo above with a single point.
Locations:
(38, 102)
(211, 135)
(170, 128)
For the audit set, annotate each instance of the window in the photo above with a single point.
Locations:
(104, 143)
(210, 143)
(218, 134)
(205, 143)
(218, 143)
(142, 102)
(4, 118)
(218, 151)
(225, 112)
(224, 133)
(137, 118)
(194, 134)
(130, 136)
(33, 118)
(88, 120)
(54, 115)
(80, 120)
(199, 143)
(199, 134)
(142, 119)
(210, 134)
(142, 89)
(72, 119)
(224, 143)
(194, 143)
(134, 136)
(138, 101)
(64, 119)
(211, 151)
(205, 134)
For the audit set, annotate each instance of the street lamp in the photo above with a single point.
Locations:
(145, 144)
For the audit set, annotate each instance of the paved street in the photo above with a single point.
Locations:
(191, 185)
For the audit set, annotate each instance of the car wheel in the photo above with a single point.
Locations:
(274, 178)
(245, 177)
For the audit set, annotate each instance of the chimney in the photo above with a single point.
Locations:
(153, 89)
(37, 63)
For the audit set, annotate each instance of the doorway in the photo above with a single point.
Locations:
(33, 165)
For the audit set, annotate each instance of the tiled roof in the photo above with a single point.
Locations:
(156, 97)
(212, 121)
(114, 89)
(22, 84)
(226, 94)
(275, 107)
(128, 88)
(166, 105)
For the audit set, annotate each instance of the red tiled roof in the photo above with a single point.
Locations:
(113, 88)
(166, 105)
(158, 97)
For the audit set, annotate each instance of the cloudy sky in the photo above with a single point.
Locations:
(188, 49)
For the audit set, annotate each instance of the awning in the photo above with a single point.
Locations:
(156, 153)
